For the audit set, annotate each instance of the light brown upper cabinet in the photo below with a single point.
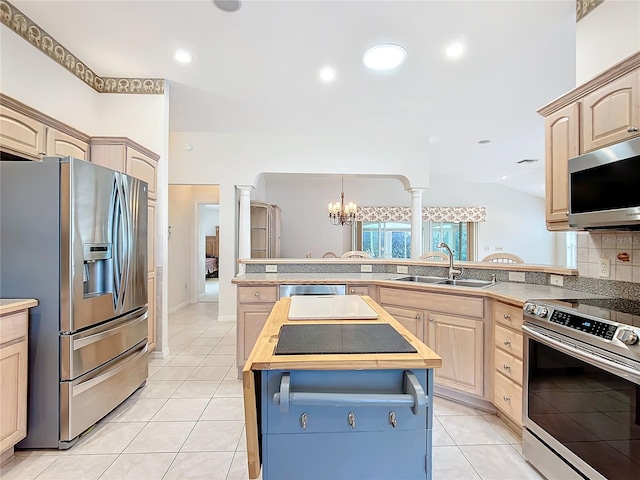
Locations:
(30, 134)
(561, 132)
(611, 113)
(601, 112)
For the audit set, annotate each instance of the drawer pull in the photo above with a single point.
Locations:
(303, 420)
(413, 396)
(417, 316)
(507, 316)
(353, 290)
(352, 419)
(505, 398)
(257, 294)
(392, 419)
(507, 342)
(506, 367)
(631, 128)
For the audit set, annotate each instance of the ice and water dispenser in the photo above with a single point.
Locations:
(98, 269)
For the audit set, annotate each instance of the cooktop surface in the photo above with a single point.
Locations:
(341, 338)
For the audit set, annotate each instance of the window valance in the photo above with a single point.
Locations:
(429, 214)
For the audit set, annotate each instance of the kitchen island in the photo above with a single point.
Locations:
(345, 414)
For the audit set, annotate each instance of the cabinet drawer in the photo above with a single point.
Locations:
(357, 290)
(507, 396)
(508, 315)
(508, 365)
(257, 294)
(509, 341)
(13, 327)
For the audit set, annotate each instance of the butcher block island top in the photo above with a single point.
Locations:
(263, 357)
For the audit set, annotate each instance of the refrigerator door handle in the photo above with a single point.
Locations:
(86, 385)
(127, 240)
(96, 337)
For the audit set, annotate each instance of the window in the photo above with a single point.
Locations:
(387, 239)
(393, 239)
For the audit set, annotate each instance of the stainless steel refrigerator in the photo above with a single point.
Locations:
(73, 235)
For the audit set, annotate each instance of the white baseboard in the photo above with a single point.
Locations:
(226, 318)
(178, 307)
(156, 354)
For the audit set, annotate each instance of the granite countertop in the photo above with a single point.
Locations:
(11, 305)
(507, 291)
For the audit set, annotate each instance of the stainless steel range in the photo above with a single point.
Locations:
(582, 388)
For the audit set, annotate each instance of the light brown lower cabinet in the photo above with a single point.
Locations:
(254, 306)
(412, 320)
(507, 360)
(13, 380)
(460, 344)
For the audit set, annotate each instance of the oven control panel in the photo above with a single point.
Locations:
(587, 325)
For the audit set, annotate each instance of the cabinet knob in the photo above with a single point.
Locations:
(506, 367)
(505, 398)
(257, 294)
(352, 419)
(392, 419)
(507, 316)
(353, 290)
(417, 316)
(567, 213)
(507, 342)
(631, 128)
(430, 319)
(42, 153)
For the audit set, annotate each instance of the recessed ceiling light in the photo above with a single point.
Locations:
(502, 177)
(188, 147)
(386, 56)
(484, 142)
(327, 74)
(454, 50)
(227, 5)
(183, 56)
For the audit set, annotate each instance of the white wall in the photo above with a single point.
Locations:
(515, 220)
(607, 35)
(210, 219)
(186, 247)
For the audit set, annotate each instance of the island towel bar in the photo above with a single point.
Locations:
(413, 396)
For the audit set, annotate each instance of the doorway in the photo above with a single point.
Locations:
(208, 241)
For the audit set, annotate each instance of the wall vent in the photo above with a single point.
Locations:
(528, 160)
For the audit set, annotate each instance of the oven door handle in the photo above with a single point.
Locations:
(613, 367)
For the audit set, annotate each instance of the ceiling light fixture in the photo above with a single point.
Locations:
(183, 56)
(386, 56)
(503, 177)
(484, 142)
(327, 74)
(340, 213)
(227, 5)
(454, 50)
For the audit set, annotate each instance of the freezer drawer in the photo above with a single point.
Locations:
(87, 399)
(364, 424)
(84, 351)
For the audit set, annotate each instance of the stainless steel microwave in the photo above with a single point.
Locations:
(604, 187)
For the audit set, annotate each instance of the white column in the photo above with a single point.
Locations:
(416, 222)
(244, 223)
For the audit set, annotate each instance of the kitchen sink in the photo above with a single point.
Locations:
(443, 281)
(415, 278)
(466, 283)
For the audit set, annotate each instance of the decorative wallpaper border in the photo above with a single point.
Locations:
(40, 39)
(585, 7)
(429, 214)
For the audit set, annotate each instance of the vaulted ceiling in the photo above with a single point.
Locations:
(255, 71)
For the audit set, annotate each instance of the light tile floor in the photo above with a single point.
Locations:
(188, 423)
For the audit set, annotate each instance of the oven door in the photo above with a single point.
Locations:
(585, 408)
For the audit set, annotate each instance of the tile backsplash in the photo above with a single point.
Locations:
(621, 248)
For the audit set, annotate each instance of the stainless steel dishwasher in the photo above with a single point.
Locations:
(292, 290)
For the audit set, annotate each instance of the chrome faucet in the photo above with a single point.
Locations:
(452, 272)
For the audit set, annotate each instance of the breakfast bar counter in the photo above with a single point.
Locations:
(358, 406)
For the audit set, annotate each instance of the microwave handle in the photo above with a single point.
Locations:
(612, 367)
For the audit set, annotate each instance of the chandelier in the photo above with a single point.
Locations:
(340, 213)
